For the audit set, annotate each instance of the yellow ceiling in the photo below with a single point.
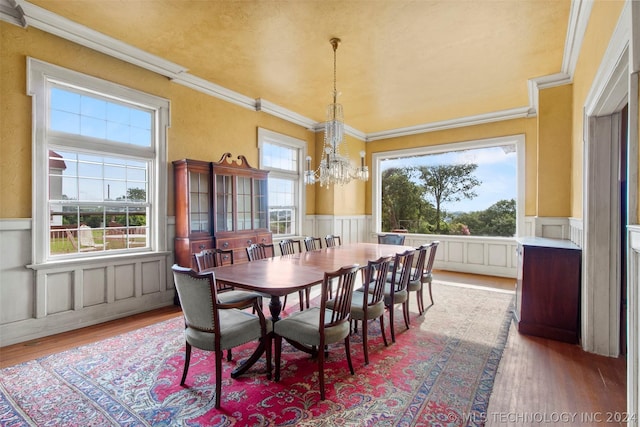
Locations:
(400, 63)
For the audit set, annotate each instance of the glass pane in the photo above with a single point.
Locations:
(279, 157)
(90, 115)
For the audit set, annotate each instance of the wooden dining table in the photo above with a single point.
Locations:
(280, 276)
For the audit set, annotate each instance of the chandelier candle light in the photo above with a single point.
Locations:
(335, 166)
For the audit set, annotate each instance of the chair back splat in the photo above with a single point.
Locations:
(332, 240)
(391, 239)
(290, 247)
(396, 289)
(209, 258)
(312, 243)
(258, 251)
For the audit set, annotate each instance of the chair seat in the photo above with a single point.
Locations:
(304, 327)
(237, 328)
(230, 297)
(398, 297)
(373, 311)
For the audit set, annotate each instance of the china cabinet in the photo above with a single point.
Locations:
(220, 204)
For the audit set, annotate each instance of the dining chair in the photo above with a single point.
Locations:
(213, 326)
(288, 247)
(417, 274)
(368, 302)
(427, 276)
(332, 240)
(395, 291)
(257, 251)
(391, 239)
(317, 327)
(312, 243)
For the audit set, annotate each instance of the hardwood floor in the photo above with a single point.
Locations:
(539, 381)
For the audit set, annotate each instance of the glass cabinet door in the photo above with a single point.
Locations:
(260, 203)
(224, 203)
(199, 202)
(244, 203)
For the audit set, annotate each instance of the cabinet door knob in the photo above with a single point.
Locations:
(264, 240)
(225, 245)
(249, 242)
(201, 247)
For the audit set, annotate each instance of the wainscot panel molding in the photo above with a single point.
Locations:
(576, 231)
(47, 299)
(551, 227)
(351, 229)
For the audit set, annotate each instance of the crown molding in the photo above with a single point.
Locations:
(281, 112)
(24, 14)
(578, 20)
(49, 22)
(513, 113)
(212, 89)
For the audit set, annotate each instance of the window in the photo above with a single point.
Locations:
(97, 151)
(467, 188)
(283, 157)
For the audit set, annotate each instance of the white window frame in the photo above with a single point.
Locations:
(39, 76)
(518, 140)
(270, 137)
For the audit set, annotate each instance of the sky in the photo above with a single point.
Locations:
(496, 170)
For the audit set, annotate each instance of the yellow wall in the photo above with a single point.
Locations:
(202, 127)
(470, 133)
(604, 17)
(554, 151)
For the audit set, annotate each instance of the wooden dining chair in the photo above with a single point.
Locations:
(332, 240)
(368, 302)
(213, 326)
(427, 276)
(391, 239)
(288, 247)
(257, 251)
(417, 274)
(312, 243)
(320, 326)
(395, 291)
(209, 258)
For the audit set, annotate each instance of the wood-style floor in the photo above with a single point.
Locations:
(539, 381)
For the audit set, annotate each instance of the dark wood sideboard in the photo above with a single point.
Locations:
(219, 205)
(548, 288)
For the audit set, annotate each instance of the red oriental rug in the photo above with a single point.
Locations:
(440, 372)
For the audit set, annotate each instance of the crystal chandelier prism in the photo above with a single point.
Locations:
(335, 166)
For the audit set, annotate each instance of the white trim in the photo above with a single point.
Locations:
(267, 136)
(39, 75)
(25, 13)
(578, 20)
(518, 140)
(44, 20)
(514, 113)
(212, 89)
(633, 323)
(15, 224)
(283, 113)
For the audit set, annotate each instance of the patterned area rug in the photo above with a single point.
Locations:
(439, 372)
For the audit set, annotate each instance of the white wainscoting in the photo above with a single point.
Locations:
(58, 297)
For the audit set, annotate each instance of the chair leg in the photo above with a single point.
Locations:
(187, 359)
(218, 378)
(278, 350)
(405, 312)
(393, 332)
(365, 341)
(321, 373)
(268, 355)
(229, 355)
(384, 335)
(284, 303)
(347, 346)
(430, 294)
(307, 292)
(301, 296)
(420, 297)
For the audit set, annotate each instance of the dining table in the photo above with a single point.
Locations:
(282, 275)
